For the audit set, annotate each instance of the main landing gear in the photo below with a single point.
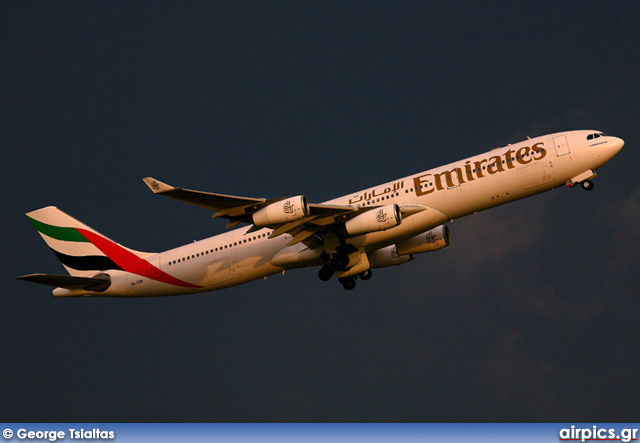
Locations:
(350, 282)
(326, 272)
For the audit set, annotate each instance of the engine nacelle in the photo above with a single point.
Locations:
(379, 219)
(283, 211)
(432, 240)
(381, 258)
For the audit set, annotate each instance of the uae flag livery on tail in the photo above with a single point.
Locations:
(71, 241)
(86, 254)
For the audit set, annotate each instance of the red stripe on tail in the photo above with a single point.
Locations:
(130, 262)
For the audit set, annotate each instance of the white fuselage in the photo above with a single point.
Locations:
(451, 191)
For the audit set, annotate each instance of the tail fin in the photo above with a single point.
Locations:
(82, 250)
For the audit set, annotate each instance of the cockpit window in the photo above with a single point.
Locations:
(597, 135)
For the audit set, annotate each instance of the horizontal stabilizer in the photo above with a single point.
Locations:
(98, 283)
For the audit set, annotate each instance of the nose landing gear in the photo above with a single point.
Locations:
(587, 185)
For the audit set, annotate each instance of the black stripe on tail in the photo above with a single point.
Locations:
(86, 262)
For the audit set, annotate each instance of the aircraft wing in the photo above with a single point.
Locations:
(320, 217)
(227, 206)
(240, 209)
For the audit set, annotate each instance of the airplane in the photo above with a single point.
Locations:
(347, 237)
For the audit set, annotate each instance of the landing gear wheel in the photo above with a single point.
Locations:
(366, 275)
(587, 185)
(341, 262)
(325, 273)
(348, 283)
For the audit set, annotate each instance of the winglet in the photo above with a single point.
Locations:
(157, 186)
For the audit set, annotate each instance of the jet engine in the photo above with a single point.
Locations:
(282, 211)
(382, 258)
(432, 240)
(377, 219)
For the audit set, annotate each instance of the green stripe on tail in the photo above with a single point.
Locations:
(57, 232)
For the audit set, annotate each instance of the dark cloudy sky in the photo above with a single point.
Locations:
(530, 315)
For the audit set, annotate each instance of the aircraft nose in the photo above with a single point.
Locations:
(617, 144)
